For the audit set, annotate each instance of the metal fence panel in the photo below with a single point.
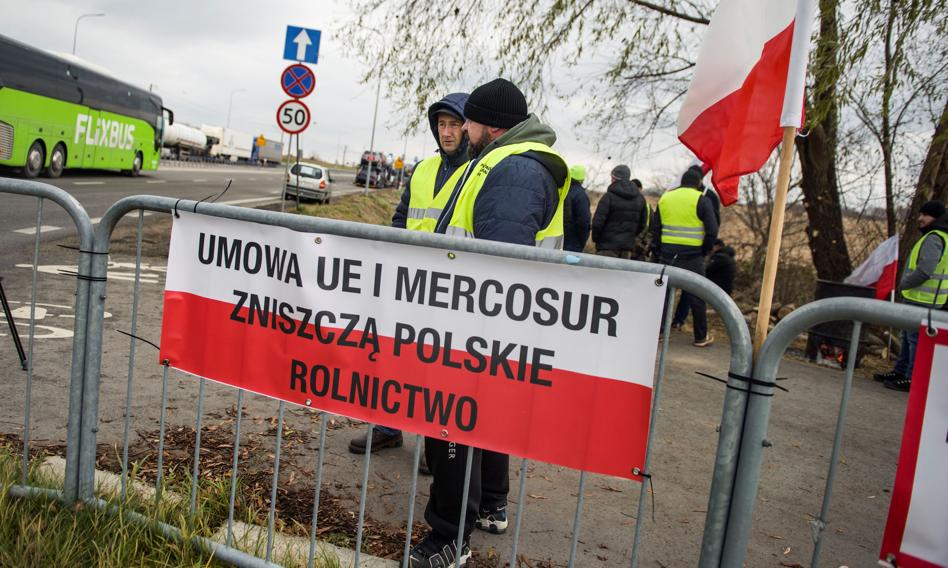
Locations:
(734, 401)
(861, 311)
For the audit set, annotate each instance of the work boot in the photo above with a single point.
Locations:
(380, 441)
(890, 376)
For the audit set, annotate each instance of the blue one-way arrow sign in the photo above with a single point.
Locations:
(302, 45)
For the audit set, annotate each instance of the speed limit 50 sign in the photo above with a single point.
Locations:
(293, 116)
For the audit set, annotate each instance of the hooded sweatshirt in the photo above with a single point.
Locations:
(621, 216)
(453, 104)
(520, 194)
(933, 247)
(722, 269)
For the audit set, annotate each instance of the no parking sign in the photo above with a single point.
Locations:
(298, 81)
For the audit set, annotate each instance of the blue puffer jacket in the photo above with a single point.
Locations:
(453, 104)
(520, 194)
(576, 218)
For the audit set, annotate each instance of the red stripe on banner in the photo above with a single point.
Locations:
(908, 454)
(528, 410)
(737, 134)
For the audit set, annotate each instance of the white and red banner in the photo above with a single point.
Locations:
(748, 83)
(916, 533)
(550, 362)
(879, 270)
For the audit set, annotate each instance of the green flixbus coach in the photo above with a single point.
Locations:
(56, 113)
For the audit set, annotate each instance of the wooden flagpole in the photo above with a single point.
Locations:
(773, 241)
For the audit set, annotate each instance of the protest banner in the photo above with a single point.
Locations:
(918, 515)
(546, 361)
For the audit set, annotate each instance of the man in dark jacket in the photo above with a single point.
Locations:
(425, 194)
(622, 214)
(516, 198)
(576, 211)
(924, 283)
(684, 229)
(721, 269)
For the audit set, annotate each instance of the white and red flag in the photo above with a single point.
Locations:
(748, 84)
(539, 360)
(879, 270)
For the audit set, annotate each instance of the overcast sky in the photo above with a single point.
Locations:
(196, 53)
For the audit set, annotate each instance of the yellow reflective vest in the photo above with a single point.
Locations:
(462, 220)
(678, 210)
(424, 207)
(934, 291)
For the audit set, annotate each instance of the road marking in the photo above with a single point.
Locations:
(32, 230)
(251, 179)
(88, 183)
(198, 180)
(95, 220)
(155, 181)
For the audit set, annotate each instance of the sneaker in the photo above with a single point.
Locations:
(890, 376)
(434, 552)
(380, 441)
(902, 384)
(676, 326)
(708, 340)
(492, 520)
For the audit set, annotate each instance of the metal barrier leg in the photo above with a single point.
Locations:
(319, 483)
(464, 496)
(233, 468)
(520, 506)
(365, 490)
(419, 441)
(131, 350)
(28, 397)
(161, 431)
(195, 467)
(577, 519)
(820, 524)
(656, 400)
(271, 516)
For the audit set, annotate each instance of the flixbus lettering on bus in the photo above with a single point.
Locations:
(57, 112)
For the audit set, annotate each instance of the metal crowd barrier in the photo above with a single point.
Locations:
(43, 193)
(87, 361)
(677, 279)
(860, 311)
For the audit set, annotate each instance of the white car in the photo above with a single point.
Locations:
(315, 182)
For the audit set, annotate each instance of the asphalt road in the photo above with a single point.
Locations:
(96, 191)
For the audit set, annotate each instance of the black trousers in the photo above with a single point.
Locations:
(699, 311)
(490, 483)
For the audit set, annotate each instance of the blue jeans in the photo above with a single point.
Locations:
(906, 361)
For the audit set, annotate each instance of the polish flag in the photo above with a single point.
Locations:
(748, 84)
(879, 270)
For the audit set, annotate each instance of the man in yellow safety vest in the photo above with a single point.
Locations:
(684, 228)
(924, 283)
(422, 202)
(511, 191)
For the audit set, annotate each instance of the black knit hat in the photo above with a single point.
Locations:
(692, 177)
(499, 104)
(622, 172)
(933, 209)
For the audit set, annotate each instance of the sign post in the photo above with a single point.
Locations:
(297, 81)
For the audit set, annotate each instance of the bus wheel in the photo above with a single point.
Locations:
(57, 162)
(35, 157)
(136, 165)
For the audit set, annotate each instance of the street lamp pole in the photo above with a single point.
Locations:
(75, 31)
(231, 104)
(375, 114)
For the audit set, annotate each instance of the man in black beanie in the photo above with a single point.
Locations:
(684, 229)
(621, 216)
(512, 191)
